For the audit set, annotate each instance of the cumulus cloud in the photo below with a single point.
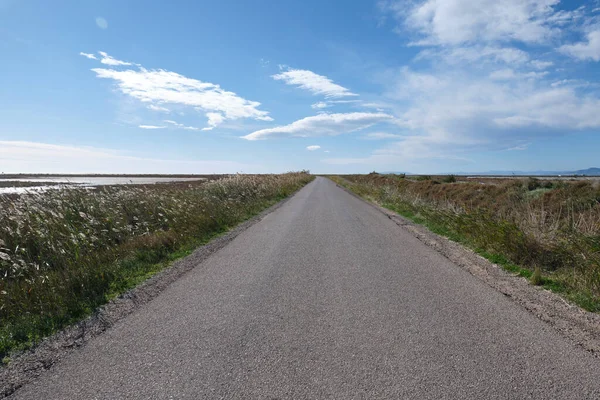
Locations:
(489, 85)
(160, 87)
(322, 125)
(314, 83)
(313, 148)
(454, 22)
(35, 157)
(588, 50)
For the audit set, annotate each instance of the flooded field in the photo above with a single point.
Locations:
(17, 184)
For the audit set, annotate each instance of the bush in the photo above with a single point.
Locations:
(449, 179)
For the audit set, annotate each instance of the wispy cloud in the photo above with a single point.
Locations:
(314, 83)
(88, 55)
(151, 127)
(154, 107)
(161, 87)
(519, 147)
(322, 125)
(101, 23)
(108, 60)
(509, 73)
(177, 125)
(313, 148)
(382, 136)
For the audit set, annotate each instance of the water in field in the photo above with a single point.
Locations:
(56, 182)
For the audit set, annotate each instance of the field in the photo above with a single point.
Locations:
(545, 230)
(65, 252)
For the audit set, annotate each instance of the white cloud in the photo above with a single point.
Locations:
(330, 103)
(382, 136)
(489, 85)
(589, 50)
(88, 55)
(34, 157)
(519, 147)
(457, 96)
(101, 23)
(477, 54)
(108, 60)
(180, 126)
(313, 148)
(452, 112)
(159, 88)
(323, 125)
(508, 73)
(151, 127)
(158, 108)
(316, 84)
(538, 64)
(453, 22)
(319, 105)
(214, 119)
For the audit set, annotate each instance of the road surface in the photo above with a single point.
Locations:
(325, 298)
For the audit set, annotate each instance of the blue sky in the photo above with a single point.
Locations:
(425, 86)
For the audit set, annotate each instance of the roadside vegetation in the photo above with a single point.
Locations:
(547, 231)
(63, 253)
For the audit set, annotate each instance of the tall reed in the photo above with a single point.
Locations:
(65, 252)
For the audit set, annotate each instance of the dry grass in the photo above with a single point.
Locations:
(65, 252)
(530, 223)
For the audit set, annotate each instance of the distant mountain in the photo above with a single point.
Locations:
(590, 172)
(587, 172)
(594, 171)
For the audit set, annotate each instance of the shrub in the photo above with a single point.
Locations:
(449, 179)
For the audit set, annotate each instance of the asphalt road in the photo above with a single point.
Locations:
(325, 298)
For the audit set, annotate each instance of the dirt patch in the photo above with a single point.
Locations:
(570, 321)
(28, 365)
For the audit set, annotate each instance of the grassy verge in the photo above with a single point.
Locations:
(64, 253)
(546, 232)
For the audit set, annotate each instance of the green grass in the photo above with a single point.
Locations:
(497, 240)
